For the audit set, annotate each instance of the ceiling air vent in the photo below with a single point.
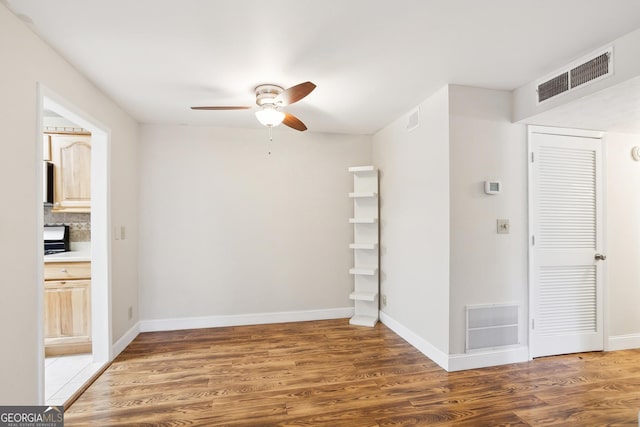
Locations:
(579, 73)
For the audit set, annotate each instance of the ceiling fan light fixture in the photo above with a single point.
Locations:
(269, 116)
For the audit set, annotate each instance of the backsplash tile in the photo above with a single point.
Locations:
(79, 223)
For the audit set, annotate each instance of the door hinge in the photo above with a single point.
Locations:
(532, 157)
(533, 324)
(533, 240)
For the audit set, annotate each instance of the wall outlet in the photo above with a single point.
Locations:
(384, 300)
(130, 312)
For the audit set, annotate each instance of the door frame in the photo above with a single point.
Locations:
(531, 129)
(101, 322)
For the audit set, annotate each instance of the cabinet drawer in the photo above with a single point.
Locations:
(67, 270)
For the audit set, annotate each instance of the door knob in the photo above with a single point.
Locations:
(600, 257)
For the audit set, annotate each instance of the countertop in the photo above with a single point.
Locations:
(79, 252)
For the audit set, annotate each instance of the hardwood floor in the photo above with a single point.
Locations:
(328, 373)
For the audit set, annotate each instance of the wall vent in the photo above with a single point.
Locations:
(590, 70)
(414, 120)
(553, 87)
(492, 326)
(577, 74)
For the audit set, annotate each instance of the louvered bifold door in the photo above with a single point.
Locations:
(566, 236)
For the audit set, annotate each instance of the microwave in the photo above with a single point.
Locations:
(47, 189)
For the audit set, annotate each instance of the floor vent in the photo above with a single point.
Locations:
(579, 73)
(492, 326)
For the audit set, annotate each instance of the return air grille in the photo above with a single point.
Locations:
(577, 74)
(491, 326)
(591, 70)
(553, 87)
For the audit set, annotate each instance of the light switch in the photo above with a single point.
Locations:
(503, 226)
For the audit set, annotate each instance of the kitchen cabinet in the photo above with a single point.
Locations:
(67, 308)
(71, 155)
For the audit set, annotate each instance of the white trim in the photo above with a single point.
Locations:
(101, 323)
(475, 360)
(623, 342)
(154, 325)
(457, 362)
(551, 130)
(40, 368)
(101, 316)
(433, 353)
(125, 340)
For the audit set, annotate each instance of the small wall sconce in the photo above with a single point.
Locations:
(635, 153)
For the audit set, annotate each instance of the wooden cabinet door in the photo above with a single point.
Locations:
(71, 155)
(67, 310)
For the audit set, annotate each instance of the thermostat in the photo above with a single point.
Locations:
(492, 187)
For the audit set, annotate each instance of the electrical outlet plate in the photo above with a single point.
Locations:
(503, 226)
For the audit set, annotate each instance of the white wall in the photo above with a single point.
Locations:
(227, 229)
(486, 267)
(27, 61)
(623, 240)
(414, 212)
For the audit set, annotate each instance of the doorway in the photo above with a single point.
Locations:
(100, 295)
(566, 247)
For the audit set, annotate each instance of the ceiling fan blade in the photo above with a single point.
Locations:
(293, 122)
(220, 108)
(294, 94)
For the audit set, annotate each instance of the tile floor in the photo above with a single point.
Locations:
(63, 375)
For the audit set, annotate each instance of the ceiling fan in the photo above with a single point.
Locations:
(270, 98)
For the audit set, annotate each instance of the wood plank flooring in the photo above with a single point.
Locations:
(328, 373)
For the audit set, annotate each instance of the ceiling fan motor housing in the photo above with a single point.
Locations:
(266, 94)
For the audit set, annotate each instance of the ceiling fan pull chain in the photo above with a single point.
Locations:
(270, 138)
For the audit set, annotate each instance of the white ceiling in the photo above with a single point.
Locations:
(373, 60)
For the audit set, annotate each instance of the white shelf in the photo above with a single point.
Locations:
(363, 220)
(363, 296)
(360, 320)
(363, 195)
(370, 246)
(364, 271)
(356, 169)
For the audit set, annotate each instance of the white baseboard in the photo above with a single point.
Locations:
(154, 325)
(623, 342)
(484, 359)
(439, 357)
(457, 362)
(125, 340)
